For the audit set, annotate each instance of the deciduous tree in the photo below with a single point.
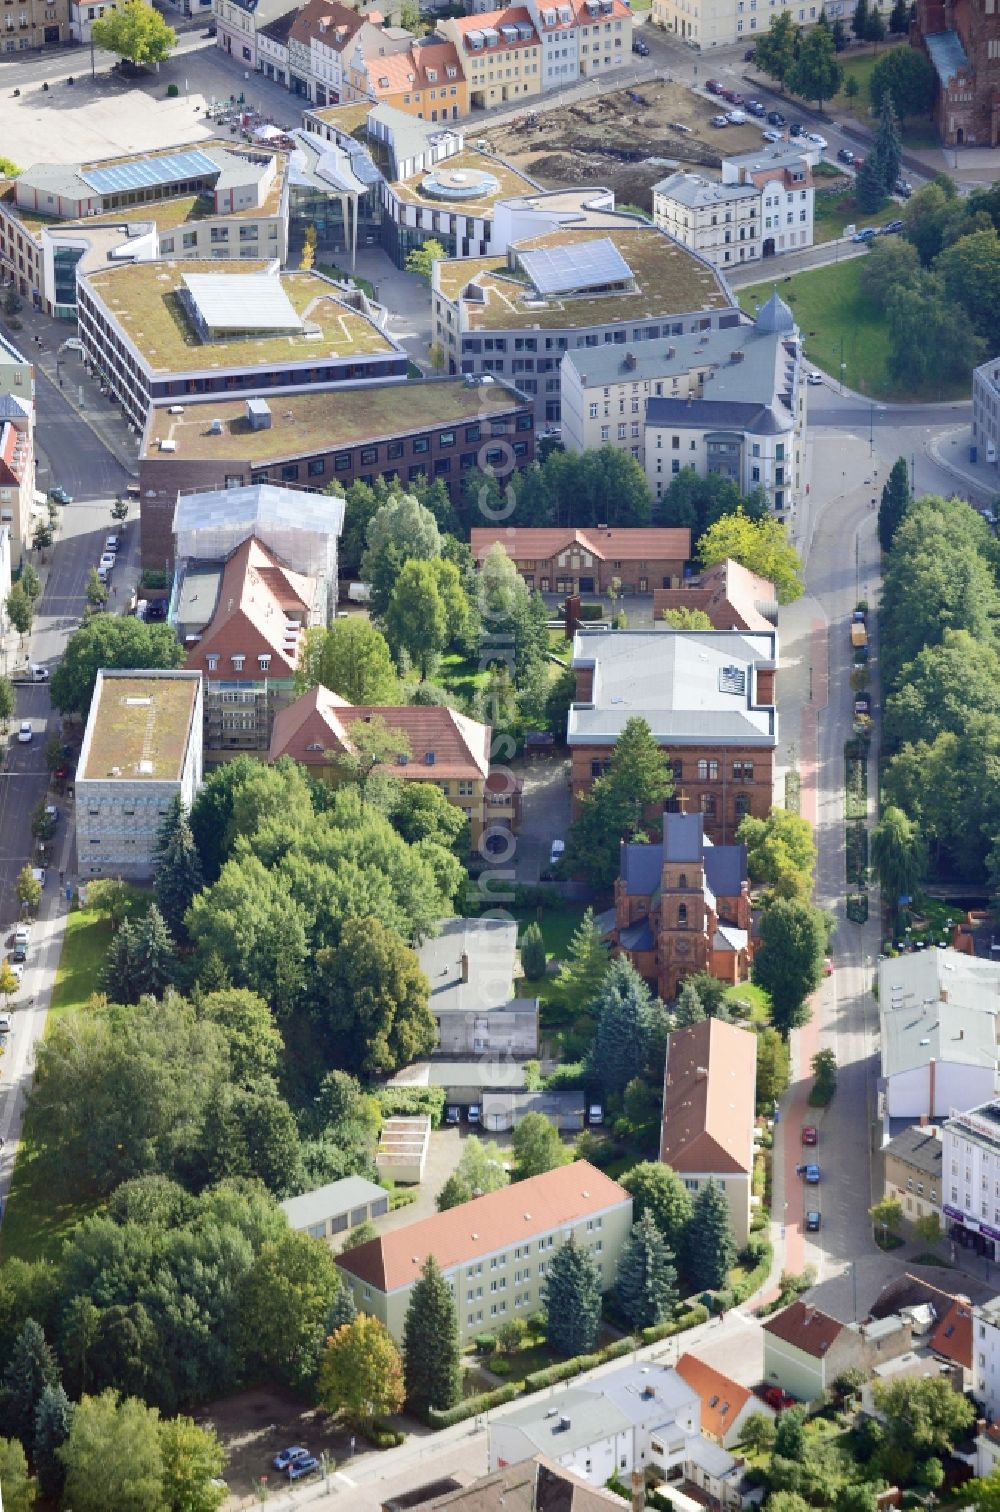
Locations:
(781, 851)
(360, 1374)
(760, 545)
(772, 1068)
(775, 50)
(899, 855)
(687, 619)
(816, 73)
(353, 659)
(904, 73)
(110, 641)
(400, 531)
(18, 1486)
(374, 744)
(789, 962)
(659, 1191)
(372, 999)
(422, 259)
(193, 1461)
(571, 1296)
(415, 618)
(480, 1169)
(431, 1360)
(285, 1303)
(637, 781)
(113, 1456)
(136, 32)
(20, 610)
(28, 888)
(536, 1146)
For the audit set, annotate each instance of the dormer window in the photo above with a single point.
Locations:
(452, 71)
(213, 661)
(314, 745)
(432, 75)
(264, 661)
(238, 662)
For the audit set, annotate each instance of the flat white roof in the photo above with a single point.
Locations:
(242, 302)
(940, 1005)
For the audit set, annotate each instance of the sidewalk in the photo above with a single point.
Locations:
(950, 450)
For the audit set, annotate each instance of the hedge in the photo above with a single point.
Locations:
(754, 1279)
(697, 1314)
(408, 1102)
(472, 1406)
(593, 611)
(577, 1364)
(383, 1437)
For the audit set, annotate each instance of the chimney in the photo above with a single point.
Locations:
(638, 1491)
(808, 1313)
(465, 965)
(932, 1080)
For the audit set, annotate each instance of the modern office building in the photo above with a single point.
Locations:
(970, 1177)
(142, 748)
(175, 331)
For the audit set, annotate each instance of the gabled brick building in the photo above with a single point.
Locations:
(963, 43)
(565, 560)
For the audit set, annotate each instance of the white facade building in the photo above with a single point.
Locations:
(142, 748)
(722, 23)
(986, 411)
(763, 206)
(971, 1182)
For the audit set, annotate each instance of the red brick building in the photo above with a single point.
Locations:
(962, 40)
(733, 598)
(683, 907)
(708, 697)
(569, 561)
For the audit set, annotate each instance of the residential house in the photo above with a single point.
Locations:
(36, 24)
(705, 24)
(986, 411)
(942, 1322)
(272, 48)
(725, 1404)
(242, 621)
(238, 23)
(334, 1209)
(535, 1485)
(763, 205)
(569, 561)
(938, 1017)
(733, 598)
(971, 1179)
(805, 1350)
(748, 422)
(986, 1355)
(425, 80)
(603, 278)
(470, 965)
(913, 1171)
(142, 748)
(494, 1250)
(442, 747)
(17, 473)
(683, 906)
(987, 1448)
(500, 54)
(708, 697)
(708, 1126)
(320, 35)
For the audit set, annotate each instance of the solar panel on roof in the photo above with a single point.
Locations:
(583, 265)
(148, 172)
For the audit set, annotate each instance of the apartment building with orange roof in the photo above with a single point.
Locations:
(494, 1251)
(426, 80)
(725, 1404)
(576, 37)
(501, 55)
(709, 1087)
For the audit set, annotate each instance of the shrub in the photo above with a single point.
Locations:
(566, 1078)
(402, 1197)
(472, 1406)
(485, 1343)
(500, 1366)
(410, 1101)
(384, 1437)
(689, 1319)
(533, 953)
(857, 907)
(592, 611)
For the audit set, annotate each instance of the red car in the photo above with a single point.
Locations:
(713, 86)
(810, 1135)
(778, 1399)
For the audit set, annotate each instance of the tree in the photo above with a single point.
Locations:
(582, 969)
(420, 811)
(533, 953)
(179, 876)
(53, 1419)
(898, 855)
(372, 999)
(571, 1296)
(869, 184)
(30, 581)
(772, 1068)
(431, 1357)
(789, 962)
(927, 1228)
(193, 1462)
(110, 641)
(895, 501)
(9, 982)
(400, 531)
(923, 1418)
(659, 1191)
(112, 1456)
(709, 1246)
(790, 1434)
(18, 1487)
(284, 1304)
(969, 270)
(28, 888)
(887, 1215)
(637, 780)
(887, 148)
(851, 86)
(983, 1495)
(859, 20)
(480, 1169)
(839, 35)
(536, 1146)
(904, 74)
(31, 1367)
(135, 32)
(781, 851)
(687, 619)
(373, 745)
(824, 1069)
(688, 1009)
(899, 22)
(20, 610)
(140, 959)
(762, 546)
(353, 659)
(874, 26)
(775, 51)
(360, 1374)
(646, 1284)
(623, 1009)
(422, 259)
(415, 618)
(816, 74)
(7, 699)
(933, 217)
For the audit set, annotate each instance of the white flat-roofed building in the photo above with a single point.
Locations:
(986, 411)
(336, 1207)
(142, 748)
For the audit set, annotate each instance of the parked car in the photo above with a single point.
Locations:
(778, 1399)
(795, 129)
(718, 120)
(810, 1134)
(32, 673)
(749, 55)
(902, 188)
(60, 496)
(775, 118)
(817, 140)
(288, 1457)
(108, 560)
(770, 135)
(891, 228)
(813, 1221)
(556, 852)
(300, 1467)
(814, 379)
(863, 704)
(595, 1113)
(736, 117)
(845, 155)
(38, 872)
(755, 108)
(453, 1115)
(24, 732)
(16, 968)
(811, 1173)
(734, 97)
(5, 1023)
(474, 1114)
(640, 47)
(713, 86)
(112, 544)
(103, 573)
(866, 234)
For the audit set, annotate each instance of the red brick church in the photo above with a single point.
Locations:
(962, 40)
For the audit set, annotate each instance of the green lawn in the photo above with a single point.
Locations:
(85, 945)
(840, 324)
(917, 131)
(463, 678)
(836, 208)
(760, 1003)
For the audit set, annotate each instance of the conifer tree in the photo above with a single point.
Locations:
(625, 1023)
(646, 1284)
(533, 953)
(710, 1249)
(178, 868)
(53, 1419)
(584, 964)
(431, 1361)
(32, 1367)
(689, 1009)
(572, 1299)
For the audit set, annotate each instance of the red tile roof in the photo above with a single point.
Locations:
(486, 1224)
(708, 1099)
(952, 1337)
(805, 1327)
(328, 21)
(321, 721)
(621, 543)
(722, 1399)
(405, 71)
(257, 597)
(512, 15)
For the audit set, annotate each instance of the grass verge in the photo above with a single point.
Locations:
(760, 1003)
(85, 944)
(837, 208)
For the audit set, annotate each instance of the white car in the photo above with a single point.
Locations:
(111, 545)
(107, 560)
(813, 379)
(816, 139)
(5, 1024)
(736, 117)
(24, 732)
(557, 852)
(16, 968)
(771, 136)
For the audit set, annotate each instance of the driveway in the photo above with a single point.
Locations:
(544, 815)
